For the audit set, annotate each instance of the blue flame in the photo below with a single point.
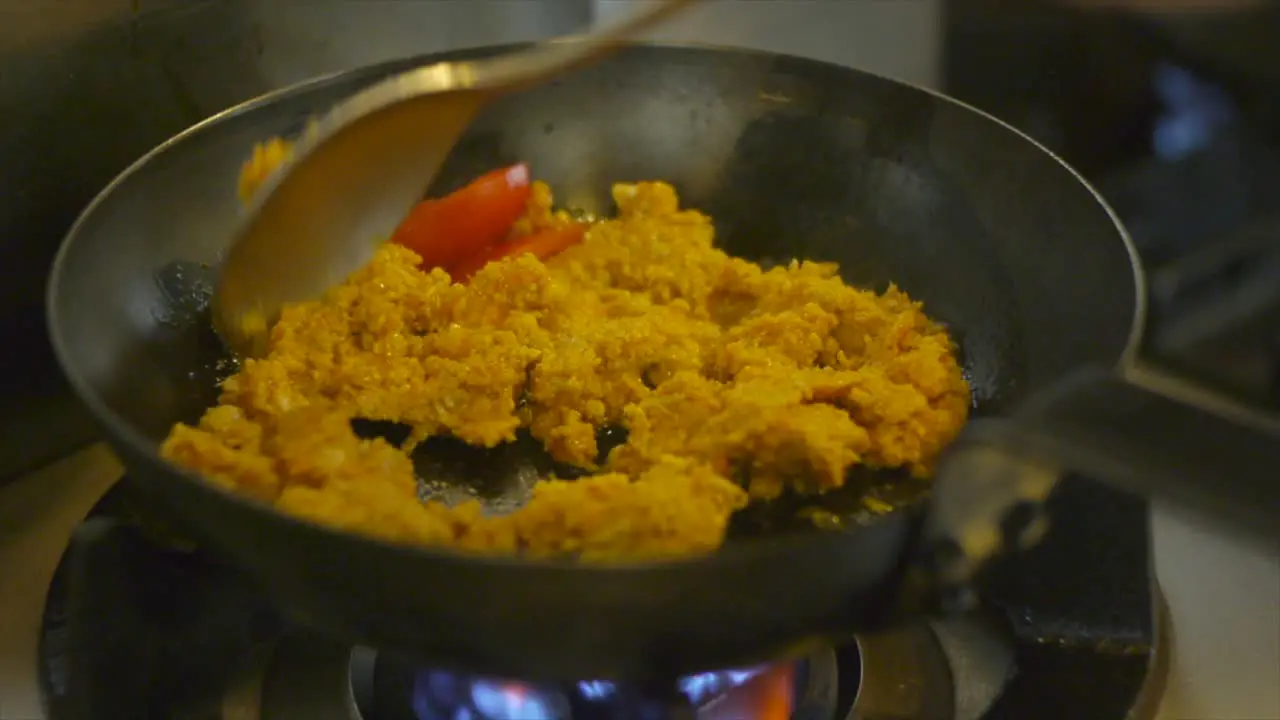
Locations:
(596, 689)
(445, 696)
(698, 688)
(1194, 112)
(498, 700)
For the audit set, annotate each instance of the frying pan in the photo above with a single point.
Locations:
(792, 158)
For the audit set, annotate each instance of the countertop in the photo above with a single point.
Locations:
(1224, 597)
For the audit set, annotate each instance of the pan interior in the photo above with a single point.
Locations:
(791, 158)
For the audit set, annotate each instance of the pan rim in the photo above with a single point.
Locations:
(729, 554)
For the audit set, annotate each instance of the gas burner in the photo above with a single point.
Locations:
(139, 627)
(303, 676)
(763, 692)
(905, 675)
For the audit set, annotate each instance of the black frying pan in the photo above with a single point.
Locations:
(793, 158)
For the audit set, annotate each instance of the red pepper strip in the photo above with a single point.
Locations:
(446, 230)
(541, 245)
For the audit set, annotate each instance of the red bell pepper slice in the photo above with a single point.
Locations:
(447, 230)
(542, 245)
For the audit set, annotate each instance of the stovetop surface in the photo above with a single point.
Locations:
(140, 625)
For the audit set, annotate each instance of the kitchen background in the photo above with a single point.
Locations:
(1172, 117)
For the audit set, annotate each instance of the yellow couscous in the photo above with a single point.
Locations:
(734, 383)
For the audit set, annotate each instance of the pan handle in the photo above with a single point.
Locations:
(1138, 428)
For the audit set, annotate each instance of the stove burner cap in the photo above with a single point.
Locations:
(400, 689)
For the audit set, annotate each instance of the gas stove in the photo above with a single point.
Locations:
(137, 623)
